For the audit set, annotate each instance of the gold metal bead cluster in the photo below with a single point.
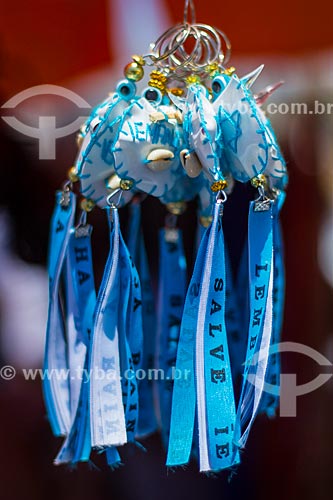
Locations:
(192, 79)
(218, 186)
(87, 205)
(229, 71)
(158, 80)
(213, 69)
(126, 184)
(259, 181)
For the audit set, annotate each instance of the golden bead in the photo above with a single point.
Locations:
(134, 71)
(229, 71)
(259, 181)
(157, 84)
(72, 174)
(218, 186)
(81, 135)
(139, 60)
(192, 79)
(213, 69)
(126, 184)
(87, 205)
(176, 207)
(158, 75)
(206, 221)
(177, 91)
(158, 80)
(79, 139)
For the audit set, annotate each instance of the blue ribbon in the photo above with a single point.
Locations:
(171, 297)
(261, 267)
(136, 246)
(270, 402)
(215, 394)
(184, 390)
(107, 415)
(80, 292)
(81, 300)
(131, 304)
(56, 391)
(203, 330)
(116, 350)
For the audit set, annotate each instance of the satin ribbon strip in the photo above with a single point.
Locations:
(147, 422)
(261, 271)
(270, 401)
(184, 389)
(203, 353)
(215, 395)
(171, 297)
(81, 301)
(56, 388)
(131, 304)
(107, 416)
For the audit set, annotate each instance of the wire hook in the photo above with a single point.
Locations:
(109, 199)
(189, 9)
(221, 197)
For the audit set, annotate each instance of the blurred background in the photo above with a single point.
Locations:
(83, 46)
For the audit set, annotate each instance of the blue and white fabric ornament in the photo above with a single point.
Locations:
(191, 358)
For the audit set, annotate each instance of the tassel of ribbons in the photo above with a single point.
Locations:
(81, 300)
(116, 350)
(171, 297)
(56, 389)
(107, 416)
(205, 387)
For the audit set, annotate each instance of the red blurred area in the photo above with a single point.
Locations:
(48, 41)
(266, 27)
(54, 40)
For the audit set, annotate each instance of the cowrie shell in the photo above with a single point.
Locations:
(157, 160)
(191, 163)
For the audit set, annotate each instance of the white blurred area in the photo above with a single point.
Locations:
(23, 305)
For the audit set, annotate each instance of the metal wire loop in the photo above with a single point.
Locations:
(221, 197)
(113, 200)
(189, 9)
(171, 52)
